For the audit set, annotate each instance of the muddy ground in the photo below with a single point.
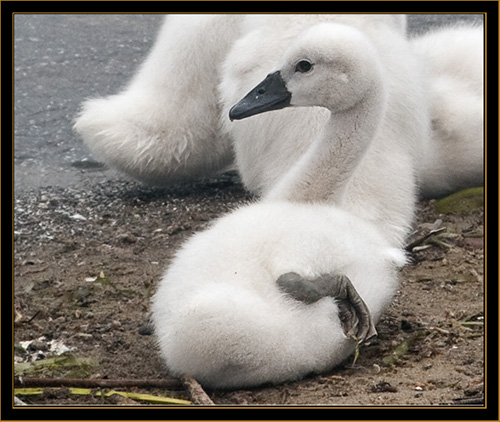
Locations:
(87, 260)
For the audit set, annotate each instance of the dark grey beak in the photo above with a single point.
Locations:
(270, 94)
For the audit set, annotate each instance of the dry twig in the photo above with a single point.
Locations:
(198, 395)
(169, 383)
(422, 238)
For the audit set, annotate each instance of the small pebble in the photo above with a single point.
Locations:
(383, 387)
(38, 345)
(146, 330)
(84, 336)
(78, 217)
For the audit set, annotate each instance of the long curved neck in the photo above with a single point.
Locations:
(324, 172)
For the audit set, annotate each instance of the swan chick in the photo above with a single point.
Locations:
(335, 66)
(228, 310)
(322, 68)
(280, 289)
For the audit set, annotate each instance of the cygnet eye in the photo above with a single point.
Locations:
(303, 66)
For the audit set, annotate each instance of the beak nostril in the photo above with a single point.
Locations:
(270, 94)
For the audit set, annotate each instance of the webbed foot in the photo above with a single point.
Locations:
(354, 315)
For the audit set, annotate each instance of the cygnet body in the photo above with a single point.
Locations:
(218, 312)
(220, 316)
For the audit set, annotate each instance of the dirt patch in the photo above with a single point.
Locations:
(86, 262)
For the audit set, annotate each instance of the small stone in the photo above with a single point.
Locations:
(38, 345)
(383, 387)
(128, 238)
(78, 217)
(83, 336)
(146, 330)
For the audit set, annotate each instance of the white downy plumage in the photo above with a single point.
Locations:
(454, 61)
(218, 312)
(219, 315)
(338, 173)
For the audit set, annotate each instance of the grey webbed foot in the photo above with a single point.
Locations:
(354, 315)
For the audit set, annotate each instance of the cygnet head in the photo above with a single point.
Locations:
(329, 65)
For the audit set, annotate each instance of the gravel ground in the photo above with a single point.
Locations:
(87, 260)
(90, 246)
